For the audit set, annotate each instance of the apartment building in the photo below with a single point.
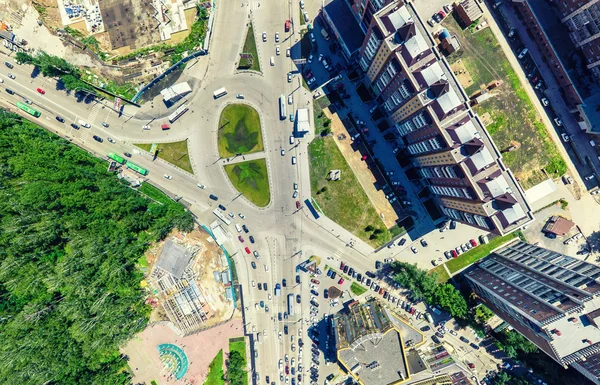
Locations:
(428, 111)
(551, 299)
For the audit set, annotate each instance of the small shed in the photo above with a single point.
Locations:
(558, 226)
(468, 11)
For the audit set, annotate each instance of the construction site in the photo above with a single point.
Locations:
(190, 283)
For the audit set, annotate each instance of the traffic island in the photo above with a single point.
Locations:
(249, 59)
(175, 153)
(239, 131)
(251, 179)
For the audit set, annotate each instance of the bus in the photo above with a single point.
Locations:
(116, 158)
(291, 305)
(182, 109)
(136, 168)
(220, 92)
(282, 113)
(28, 109)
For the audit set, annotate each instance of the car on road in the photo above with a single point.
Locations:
(474, 345)
(272, 61)
(277, 50)
(167, 176)
(545, 102)
(289, 77)
(60, 119)
(523, 53)
(240, 238)
(464, 339)
(75, 126)
(264, 36)
(424, 243)
(414, 249)
(437, 17)
(259, 285)
(111, 140)
(310, 59)
(473, 242)
(282, 152)
(98, 139)
(9, 65)
(253, 264)
(341, 281)
(256, 254)
(104, 124)
(291, 99)
(27, 101)
(11, 76)
(558, 121)
(248, 252)
(589, 177)
(293, 160)
(288, 52)
(240, 96)
(41, 91)
(298, 205)
(222, 207)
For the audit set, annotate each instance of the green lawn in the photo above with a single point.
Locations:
(514, 120)
(239, 345)
(239, 131)
(345, 202)
(251, 179)
(442, 274)
(215, 371)
(478, 252)
(250, 47)
(357, 289)
(175, 153)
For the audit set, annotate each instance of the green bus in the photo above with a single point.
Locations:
(116, 158)
(28, 109)
(136, 168)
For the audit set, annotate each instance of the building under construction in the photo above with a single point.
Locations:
(174, 282)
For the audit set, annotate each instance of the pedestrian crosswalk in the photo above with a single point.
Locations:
(94, 113)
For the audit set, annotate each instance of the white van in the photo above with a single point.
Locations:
(238, 228)
(272, 61)
(291, 139)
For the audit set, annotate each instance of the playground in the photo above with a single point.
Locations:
(161, 355)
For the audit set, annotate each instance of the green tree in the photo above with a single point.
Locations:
(482, 314)
(451, 300)
(369, 228)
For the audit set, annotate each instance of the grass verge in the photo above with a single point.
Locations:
(442, 274)
(215, 374)
(478, 252)
(239, 131)
(175, 153)
(513, 121)
(252, 180)
(344, 202)
(250, 47)
(357, 289)
(239, 345)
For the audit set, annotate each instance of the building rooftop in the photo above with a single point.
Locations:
(174, 259)
(558, 225)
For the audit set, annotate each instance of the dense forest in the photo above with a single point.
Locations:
(70, 236)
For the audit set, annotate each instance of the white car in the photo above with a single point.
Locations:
(289, 76)
(241, 216)
(201, 186)
(272, 60)
(310, 57)
(306, 19)
(317, 94)
(311, 81)
(253, 284)
(301, 4)
(558, 121)
(282, 152)
(320, 57)
(287, 52)
(589, 177)
(295, 186)
(278, 50)
(545, 102)
(266, 268)
(312, 37)
(240, 96)
(414, 249)
(111, 140)
(293, 160)
(265, 332)
(291, 99)
(264, 36)
(145, 127)
(291, 139)
(276, 37)
(295, 194)
(169, 177)
(280, 364)
(565, 137)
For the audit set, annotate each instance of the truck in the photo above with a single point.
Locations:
(324, 34)
(290, 305)
(277, 289)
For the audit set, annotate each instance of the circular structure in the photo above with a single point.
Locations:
(239, 131)
(174, 360)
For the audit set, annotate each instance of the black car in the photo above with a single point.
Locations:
(437, 17)
(368, 281)
(425, 328)
(280, 316)
(283, 282)
(98, 139)
(300, 343)
(9, 91)
(325, 293)
(313, 292)
(213, 197)
(297, 279)
(351, 271)
(265, 286)
(369, 274)
(435, 339)
(251, 238)
(75, 126)
(463, 339)
(127, 154)
(222, 207)
(259, 286)
(253, 265)
(285, 329)
(333, 274)
(345, 269)
(474, 345)
(9, 65)
(377, 264)
(359, 277)
(423, 243)
(298, 299)
(60, 119)
(245, 228)
(267, 378)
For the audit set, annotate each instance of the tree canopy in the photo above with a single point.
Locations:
(70, 236)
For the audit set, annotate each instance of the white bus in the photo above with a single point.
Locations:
(182, 109)
(220, 92)
(282, 112)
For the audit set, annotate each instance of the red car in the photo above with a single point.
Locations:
(287, 25)
(315, 281)
(473, 243)
(165, 127)
(41, 91)
(342, 265)
(381, 291)
(247, 250)
(471, 365)
(240, 238)
(287, 370)
(341, 281)
(298, 205)
(364, 157)
(454, 253)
